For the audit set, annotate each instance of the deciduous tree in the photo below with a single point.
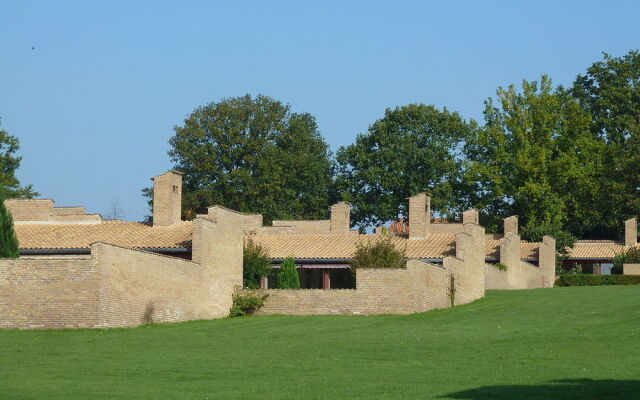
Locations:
(253, 155)
(610, 92)
(535, 158)
(411, 149)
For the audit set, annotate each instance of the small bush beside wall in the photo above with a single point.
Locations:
(288, 275)
(256, 263)
(379, 253)
(630, 256)
(246, 303)
(596, 280)
(500, 266)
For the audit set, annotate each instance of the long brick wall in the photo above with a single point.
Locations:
(120, 287)
(419, 287)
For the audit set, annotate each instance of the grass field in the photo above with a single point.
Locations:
(573, 343)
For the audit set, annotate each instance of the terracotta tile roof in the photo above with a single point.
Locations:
(125, 234)
(343, 246)
(595, 249)
(528, 250)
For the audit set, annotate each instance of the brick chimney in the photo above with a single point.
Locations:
(167, 198)
(630, 232)
(510, 224)
(471, 216)
(419, 215)
(340, 217)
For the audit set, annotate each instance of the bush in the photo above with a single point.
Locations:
(8, 242)
(255, 264)
(379, 253)
(500, 266)
(630, 256)
(288, 275)
(596, 280)
(246, 303)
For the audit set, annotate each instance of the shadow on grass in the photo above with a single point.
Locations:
(560, 389)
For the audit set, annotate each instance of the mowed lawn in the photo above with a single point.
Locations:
(573, 343)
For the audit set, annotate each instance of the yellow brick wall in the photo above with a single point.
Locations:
(631, 269)
(54, 293)
(119, 287)
(521, 274)
(139, 287)
(30, 210)
(419, 287)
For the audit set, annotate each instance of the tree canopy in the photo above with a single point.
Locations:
(535, 158)
(610, 92)
(411, 149)
(253, 155)
(563, 160)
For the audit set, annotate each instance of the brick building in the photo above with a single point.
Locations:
(79, 270)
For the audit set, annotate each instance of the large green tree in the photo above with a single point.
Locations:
(535, 157)
(9, 162)
(411, 149)
(253, 154)
(610, 92)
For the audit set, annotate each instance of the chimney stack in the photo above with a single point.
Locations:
(167, 198)
(471, 216)
(511, 224)
(340, 217)
(419, 215)
(630, 232)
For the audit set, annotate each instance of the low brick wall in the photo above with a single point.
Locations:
(141, 287)
(51, 293)
(418, 287)
(521, 274)
(631, 269)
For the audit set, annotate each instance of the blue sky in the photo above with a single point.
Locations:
(95, 102)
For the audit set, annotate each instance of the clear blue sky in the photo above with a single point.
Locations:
(95, 102)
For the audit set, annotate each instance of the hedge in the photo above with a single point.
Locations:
(596, 280)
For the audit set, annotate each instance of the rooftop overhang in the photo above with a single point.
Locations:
(87, 250)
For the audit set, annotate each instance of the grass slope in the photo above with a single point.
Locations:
(574, 343)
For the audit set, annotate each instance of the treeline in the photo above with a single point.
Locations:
(566, 160)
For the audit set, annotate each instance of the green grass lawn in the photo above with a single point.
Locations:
(574, 343)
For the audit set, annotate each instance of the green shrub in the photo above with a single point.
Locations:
(379, 253)
(255, 264)
(247, 302)
(630, 256)
(288, 275)
(501, 266)
(596, 280)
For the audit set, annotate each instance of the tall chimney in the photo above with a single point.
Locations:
(630, 232)
(167, 198)
(340, 218)
(510, 224)
(471, 216)
(419, 215)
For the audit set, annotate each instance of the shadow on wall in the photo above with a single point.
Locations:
(561, 389)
